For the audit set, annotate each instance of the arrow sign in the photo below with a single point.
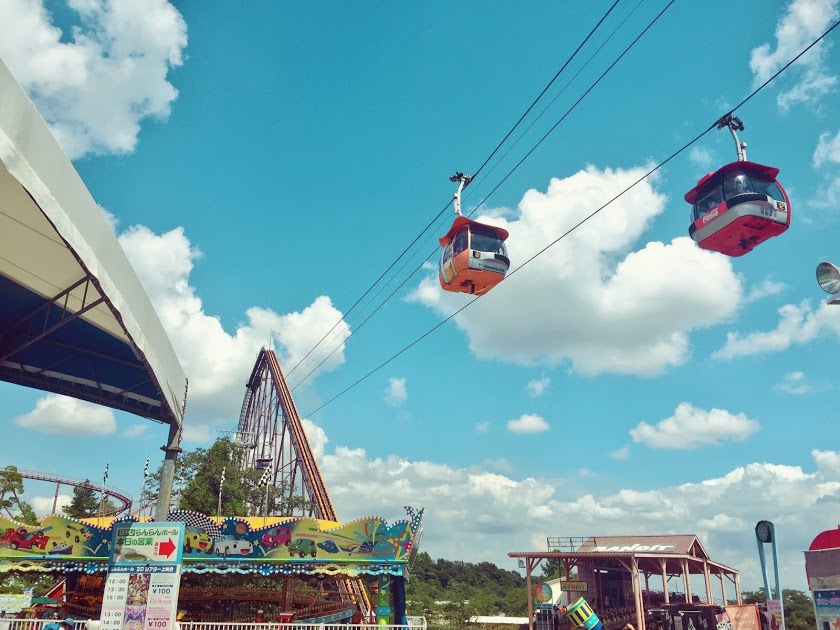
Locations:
(166, 548)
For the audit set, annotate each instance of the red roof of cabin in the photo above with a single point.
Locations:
(461, 221)
(752, 168)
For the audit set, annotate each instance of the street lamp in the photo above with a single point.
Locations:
(828, 277)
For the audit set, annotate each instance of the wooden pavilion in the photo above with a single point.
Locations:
(625, 577)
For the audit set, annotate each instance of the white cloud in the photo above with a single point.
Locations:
(828, 149)
(537, 388)
(214, 358)
(797, 324)
(317, 437)
(196, 433)
(96, 82)
(43, 506)
(482, 427)
(396, 393)
(701, 156)
(690, 427)
(528, 423)
(586, 299)
(804, 21)
(481, 516)
(61, 415)
(135, 430)
(765, 289)
(622, 453)
(827, 153)
(793, 383)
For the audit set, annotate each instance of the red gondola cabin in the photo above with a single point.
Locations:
(737, 207)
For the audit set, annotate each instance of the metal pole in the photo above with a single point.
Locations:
(776, 574)
(167, 475)
(219, 508)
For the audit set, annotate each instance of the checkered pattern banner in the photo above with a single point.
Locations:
(266, 477)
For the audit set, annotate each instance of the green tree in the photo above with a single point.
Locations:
(516, 602)
(799, 610)
(204, 467)
(11, 489)
(553, 569)
(85, 502)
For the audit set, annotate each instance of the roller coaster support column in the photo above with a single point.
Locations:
(384, 611)
(167, 475)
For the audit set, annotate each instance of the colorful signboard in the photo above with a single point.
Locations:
(287, 545)
(144, 575)
(573, 586)
(10, 603)
(542, 593)
(774, 615)
(827, 609)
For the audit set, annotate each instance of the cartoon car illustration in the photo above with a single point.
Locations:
(198, 541)
(277, 536)
(230, 545)
(21, 539)
(303, 546)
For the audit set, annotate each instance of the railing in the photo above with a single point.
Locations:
(414, 623)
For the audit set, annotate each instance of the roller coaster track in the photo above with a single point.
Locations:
(122, 502)
(271, 428)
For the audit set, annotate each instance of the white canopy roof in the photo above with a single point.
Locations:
(74, 318)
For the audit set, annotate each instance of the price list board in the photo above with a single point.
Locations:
(144, 575)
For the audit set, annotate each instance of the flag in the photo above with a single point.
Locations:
(222, 482)
(146, 469)
(105, 476)
(266, 477)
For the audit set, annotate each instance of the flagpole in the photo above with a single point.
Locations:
(221, 484)
(102, 498)
(143, 489)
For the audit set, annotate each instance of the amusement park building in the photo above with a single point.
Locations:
(625, 577)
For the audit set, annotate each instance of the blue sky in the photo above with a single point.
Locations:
(264, 166)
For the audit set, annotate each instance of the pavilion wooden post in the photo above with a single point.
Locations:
(637, 594)
(646, 598)
(722, 586)
(738, 589)
(530, 565)
(707, 578)
(664, 564)
(687, 580)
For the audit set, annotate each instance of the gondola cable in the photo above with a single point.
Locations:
(582, 221)
(518, 164)
(432, 222)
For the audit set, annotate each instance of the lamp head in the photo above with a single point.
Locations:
(828, 277)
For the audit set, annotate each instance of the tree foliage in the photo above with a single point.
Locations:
(11, 490)
(450, 592)
(198, 477)
(85, 503)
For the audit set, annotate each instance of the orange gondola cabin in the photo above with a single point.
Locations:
(740, 205)
(474, 257)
